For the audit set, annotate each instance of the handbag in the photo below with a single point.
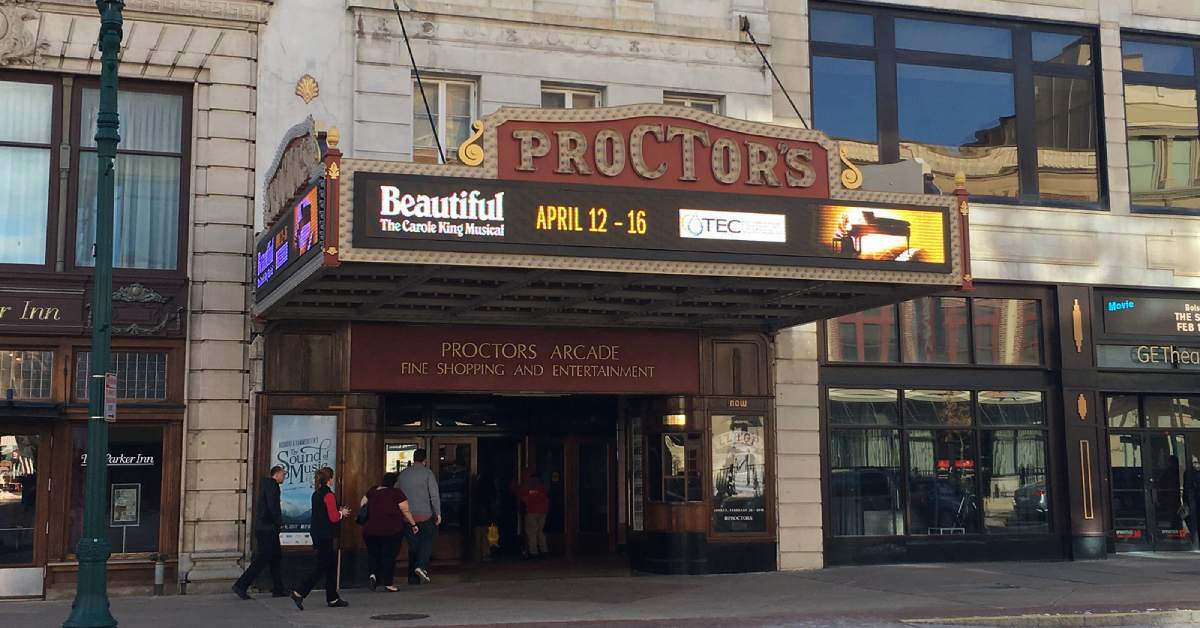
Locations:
(364, 513)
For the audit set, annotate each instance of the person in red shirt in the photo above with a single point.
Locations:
(388, 517)
(532, 494)
(326, 519)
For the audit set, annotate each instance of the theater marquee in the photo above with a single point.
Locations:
(640, 190)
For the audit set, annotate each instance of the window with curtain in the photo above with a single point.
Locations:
(26, 119)
(1009, 105)
(569, 98)
(947, 462)
(1161, 122)
(711, 104)
(453, 108)
(147, 175)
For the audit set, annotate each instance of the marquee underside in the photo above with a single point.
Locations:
(502, 296)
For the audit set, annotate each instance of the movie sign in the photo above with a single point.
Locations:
(412, 212)
(301, 444)
(1151, 316)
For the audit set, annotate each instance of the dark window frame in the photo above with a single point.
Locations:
(1021, 66)
(1157, 79)
(904, 427)
(77, 153)
(56, 141)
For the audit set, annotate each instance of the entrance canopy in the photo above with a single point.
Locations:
(635, 216)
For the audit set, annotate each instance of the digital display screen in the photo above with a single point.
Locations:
(1150, 316)
(296, 237)
(412, 212)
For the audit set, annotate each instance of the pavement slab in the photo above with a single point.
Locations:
(867, 596)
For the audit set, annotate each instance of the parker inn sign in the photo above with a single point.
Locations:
(566, 210)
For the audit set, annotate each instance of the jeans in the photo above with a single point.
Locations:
(420, 547)
(381, 557)
(535, 533)
(326, 568)
(266, 553)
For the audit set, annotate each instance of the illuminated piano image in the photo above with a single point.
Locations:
(863, 234)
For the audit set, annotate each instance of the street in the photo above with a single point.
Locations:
(1128, 590)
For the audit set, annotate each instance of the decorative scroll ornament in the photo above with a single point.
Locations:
(1077, 326)
(307, 88)
(18, 43)
(852, 178)
(333, 172)
(1081, 407)
(469, 152)
(137, 293)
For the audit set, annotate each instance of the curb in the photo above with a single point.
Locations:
(1134, 618)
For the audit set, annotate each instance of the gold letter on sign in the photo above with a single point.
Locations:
(469, 152)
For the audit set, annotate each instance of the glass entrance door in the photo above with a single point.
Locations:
(454, 466)
(1148, 471)
(594, 496)
(23, 483)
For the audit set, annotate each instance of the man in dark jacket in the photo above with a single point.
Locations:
(268, 519)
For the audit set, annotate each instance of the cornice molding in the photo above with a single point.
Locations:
(252, 11)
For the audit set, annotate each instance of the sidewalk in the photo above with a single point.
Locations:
(841, 596)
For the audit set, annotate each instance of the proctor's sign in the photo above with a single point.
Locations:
(433, 358)
(664, 153)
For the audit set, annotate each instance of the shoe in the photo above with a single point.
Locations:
(391, 588)
(242, 593)
(298, 600)
(371, 582)
(338, 603)
(422, 574)
(279, 594)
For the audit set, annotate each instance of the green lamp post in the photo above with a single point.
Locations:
(90, 608)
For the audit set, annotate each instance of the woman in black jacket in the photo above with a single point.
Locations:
(326, 517)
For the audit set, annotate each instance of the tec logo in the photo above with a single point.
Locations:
(1117, 306)
(698, 226)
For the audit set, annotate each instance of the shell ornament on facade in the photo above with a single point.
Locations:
(307, 88)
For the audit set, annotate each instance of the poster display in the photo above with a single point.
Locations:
(125, 500)
(301, 444)
(739, 461)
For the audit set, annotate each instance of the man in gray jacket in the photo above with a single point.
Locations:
(421, 487)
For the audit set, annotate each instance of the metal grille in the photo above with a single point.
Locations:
(140, 374)
(26, 373)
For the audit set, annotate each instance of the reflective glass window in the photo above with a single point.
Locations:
(953, 38)
(1007, 331)
(1065, 119)
(26, 113)
(863, 406)
(867, 336)
(938, 407)
(844, 105)
(1144, 56)
(842, 27)
(1122, 411)
(865, 483)
(935, 330)
(1064, 48)
(1162, 132)
(1011, 407)
(960, 120)
(942, 493)
(1013, 473)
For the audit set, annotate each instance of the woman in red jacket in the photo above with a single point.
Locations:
(326, 518)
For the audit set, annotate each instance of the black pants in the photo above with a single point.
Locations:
(326, 568)
(266, 553)
(420, 547)
(381, 557)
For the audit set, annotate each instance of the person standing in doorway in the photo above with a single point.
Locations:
(425, 503)
(268, 519)
(326, 519)
(388, 518)
(532, 494)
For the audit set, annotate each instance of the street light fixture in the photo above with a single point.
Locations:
(90, 609)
